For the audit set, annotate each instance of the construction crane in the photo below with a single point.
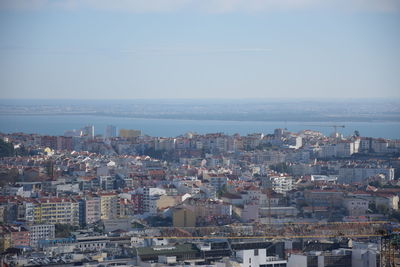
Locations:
(276, 230)
(335, 126)
(380, 231)
(390, 249)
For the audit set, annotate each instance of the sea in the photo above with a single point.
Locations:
(57, 124)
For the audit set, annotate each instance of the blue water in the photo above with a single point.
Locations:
(57, 124)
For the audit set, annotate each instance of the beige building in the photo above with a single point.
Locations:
(2, 211)
(108, 206)
(127, 133)
(5, 240)
(166, 202)
(183, 218)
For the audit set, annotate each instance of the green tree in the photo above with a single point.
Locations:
(222, 191)
(64, 230)
(6, 149)
(280, 167)
(395, 215)
(382, 209)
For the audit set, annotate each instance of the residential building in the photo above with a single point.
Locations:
(183, 217)
(110, 131)
(56, 210)
(40, 232)
(127, 133)
(108, 205)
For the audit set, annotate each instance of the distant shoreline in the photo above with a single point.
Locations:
(214, 117)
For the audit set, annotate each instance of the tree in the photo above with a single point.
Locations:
(280, 167)
(222, 191)
(382, 209)
(64, 230)
(6, 149)
(395, 215)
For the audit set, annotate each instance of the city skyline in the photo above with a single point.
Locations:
(200, 133)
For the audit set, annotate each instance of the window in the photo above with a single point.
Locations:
(256, 252)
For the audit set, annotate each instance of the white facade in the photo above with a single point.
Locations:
(364, 258)
(93, 243)
(351, 174)
(40, 232)
(88, 132)
(281, 184)
(92, 210)
(150, 197)
(258, 257)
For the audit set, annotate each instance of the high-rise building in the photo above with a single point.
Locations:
(88, 131)
(108, 205)
(93, 209)
(110, 132)
(64, 143)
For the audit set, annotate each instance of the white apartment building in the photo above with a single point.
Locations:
(92, 210)
(40, 232)
(359, 173)
(279, 183)
(257, 258)
(150, 197)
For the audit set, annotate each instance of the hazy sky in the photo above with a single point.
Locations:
(199, 48)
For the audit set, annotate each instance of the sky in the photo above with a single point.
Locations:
(129, 49)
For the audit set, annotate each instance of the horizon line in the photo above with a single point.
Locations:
(394, 98)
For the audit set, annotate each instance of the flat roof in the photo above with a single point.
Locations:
(166, 250)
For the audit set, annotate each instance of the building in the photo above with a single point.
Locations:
(356, 206)
(259, 254)
(360, 173)
(151, 195)
(64, 143)
(279, 212)
(49, 141)
(218, 182)
(88, 132)
(258, 258)
(40, 232)
(324, 198)
(91, 243)
(279, 183)
(92, 209)
(126, 133)
(56, 210)
(183, 217)
(13, 237)
(335, 258)
(364, 256)
(108, 206)
(177, 252)
(110, 131)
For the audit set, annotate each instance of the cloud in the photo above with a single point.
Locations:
(207, 6)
